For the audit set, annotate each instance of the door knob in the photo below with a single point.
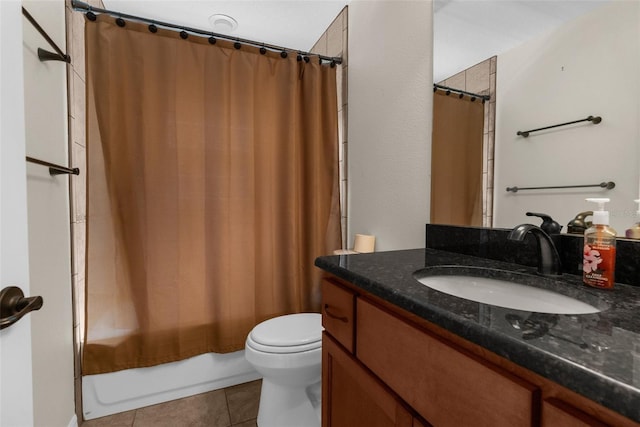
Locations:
(14, 305)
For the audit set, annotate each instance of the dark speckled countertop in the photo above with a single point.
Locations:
(596, 355)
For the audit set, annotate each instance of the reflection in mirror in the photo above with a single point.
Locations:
(588, 66)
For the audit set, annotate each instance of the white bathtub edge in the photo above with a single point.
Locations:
(108, 394)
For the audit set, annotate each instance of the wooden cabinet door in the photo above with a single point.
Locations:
(443, 384)
(352, 397)
(558, 413)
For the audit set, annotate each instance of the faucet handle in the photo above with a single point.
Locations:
(548, 225)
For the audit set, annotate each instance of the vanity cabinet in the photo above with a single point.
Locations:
(383, 366)
(351, 395)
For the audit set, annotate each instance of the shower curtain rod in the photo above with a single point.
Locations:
(81, 6)
(461, 92)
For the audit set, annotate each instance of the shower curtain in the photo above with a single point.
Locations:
(212, 186)
(456, 160)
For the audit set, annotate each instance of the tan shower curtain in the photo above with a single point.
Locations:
(212, 186)
(456, 160)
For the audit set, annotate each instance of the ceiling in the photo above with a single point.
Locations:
(295, 24)
(465, 31)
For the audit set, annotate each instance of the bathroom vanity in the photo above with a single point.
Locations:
(397, 353)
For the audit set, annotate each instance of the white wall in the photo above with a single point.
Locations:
(390, 115)
(589, 66)
(16, 390)
(45, 90)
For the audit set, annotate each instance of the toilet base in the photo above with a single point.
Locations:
(286, 406)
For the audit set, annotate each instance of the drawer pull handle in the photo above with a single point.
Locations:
(335, 316)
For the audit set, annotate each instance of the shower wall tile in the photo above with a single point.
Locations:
(334, 37)
(78, 108)
(76, 50)
(345, 84)
(345, 43)
(321, 45)
(492, 86)
(345, 126)
(76, 77)
(457, 81)
(80, 241)
(79, 132)
(78, 284)
(339, 86)
(492, 142)
(335, 43)
(485, 153)
(79, 183)
(478, 77)
(341, 113)
(492, 115)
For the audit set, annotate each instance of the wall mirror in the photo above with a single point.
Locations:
(584, 61)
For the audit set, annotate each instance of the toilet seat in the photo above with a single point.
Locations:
(293, 333)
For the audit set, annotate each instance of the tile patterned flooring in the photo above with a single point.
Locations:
(235, 406)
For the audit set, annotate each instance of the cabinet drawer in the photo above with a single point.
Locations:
(338, 306)
(446, 386)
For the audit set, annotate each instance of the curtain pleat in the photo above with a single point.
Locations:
(456, 160)
(212, 186)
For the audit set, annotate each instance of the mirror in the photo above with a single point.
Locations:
(587, 66)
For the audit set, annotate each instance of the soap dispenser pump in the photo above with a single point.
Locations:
(599, 255)
(548, 225)
(634, 231)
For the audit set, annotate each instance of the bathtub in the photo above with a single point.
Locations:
(107, 394)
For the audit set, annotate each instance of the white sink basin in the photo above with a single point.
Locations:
(504, 293)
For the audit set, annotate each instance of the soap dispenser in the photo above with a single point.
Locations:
(548, 225)
(599, 256)
(634, 231)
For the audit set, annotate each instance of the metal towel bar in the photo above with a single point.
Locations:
(594, 120)
(607, 185)
(55, 169)
(45, 55)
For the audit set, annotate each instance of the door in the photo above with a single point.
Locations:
(353, 397)
(16, 389)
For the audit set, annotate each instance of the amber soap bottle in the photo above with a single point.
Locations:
(599, 257)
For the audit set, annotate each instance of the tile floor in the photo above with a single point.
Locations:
(235, 406)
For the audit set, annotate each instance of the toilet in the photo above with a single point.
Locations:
(287, 352)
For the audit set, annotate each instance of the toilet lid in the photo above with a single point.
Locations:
(290, 333)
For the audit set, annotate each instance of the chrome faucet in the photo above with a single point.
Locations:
(548, 258)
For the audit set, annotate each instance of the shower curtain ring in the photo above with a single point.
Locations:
(263, 50)
(153, 28)
(121, 22)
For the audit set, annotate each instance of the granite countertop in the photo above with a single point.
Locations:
(596, 355)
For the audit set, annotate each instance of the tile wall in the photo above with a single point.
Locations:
(481, 79)
(77, 153)
(334, 42)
